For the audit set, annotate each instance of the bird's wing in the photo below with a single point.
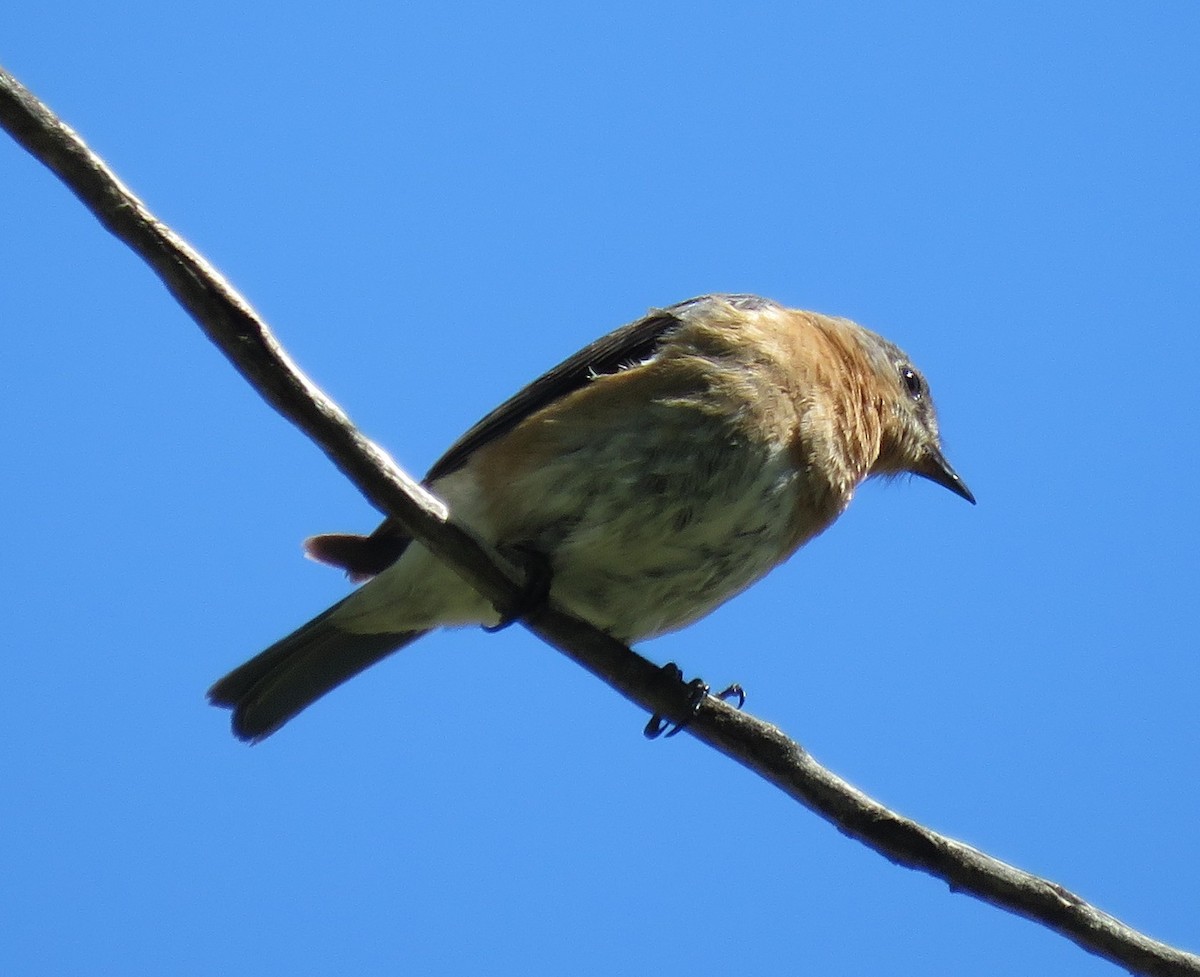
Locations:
(623, 347)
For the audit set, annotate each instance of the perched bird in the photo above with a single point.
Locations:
(656, 473)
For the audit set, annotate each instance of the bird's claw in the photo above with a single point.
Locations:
(535, 590)
(697, 690)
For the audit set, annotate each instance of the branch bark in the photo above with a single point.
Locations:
(232, 324)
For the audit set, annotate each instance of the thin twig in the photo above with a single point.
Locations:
(236, 329)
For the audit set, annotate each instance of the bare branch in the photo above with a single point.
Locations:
(236, 329)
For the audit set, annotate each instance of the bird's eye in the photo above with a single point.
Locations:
(914, 383)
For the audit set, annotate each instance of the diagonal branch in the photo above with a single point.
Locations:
(240, 334)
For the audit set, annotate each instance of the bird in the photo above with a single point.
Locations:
(654, 475)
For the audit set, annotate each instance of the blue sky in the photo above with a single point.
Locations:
(432, 203)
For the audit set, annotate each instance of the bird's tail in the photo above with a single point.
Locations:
(293, 673)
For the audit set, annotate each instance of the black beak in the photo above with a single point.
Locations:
(936, 468)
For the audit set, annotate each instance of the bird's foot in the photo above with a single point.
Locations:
(696, 690)
(536, 589)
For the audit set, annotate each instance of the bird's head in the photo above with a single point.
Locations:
(910, 440)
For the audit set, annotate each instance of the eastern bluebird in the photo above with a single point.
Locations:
(657, 473)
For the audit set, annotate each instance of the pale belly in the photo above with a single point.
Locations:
(642, 538)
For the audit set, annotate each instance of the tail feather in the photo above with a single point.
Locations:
(293, 673)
